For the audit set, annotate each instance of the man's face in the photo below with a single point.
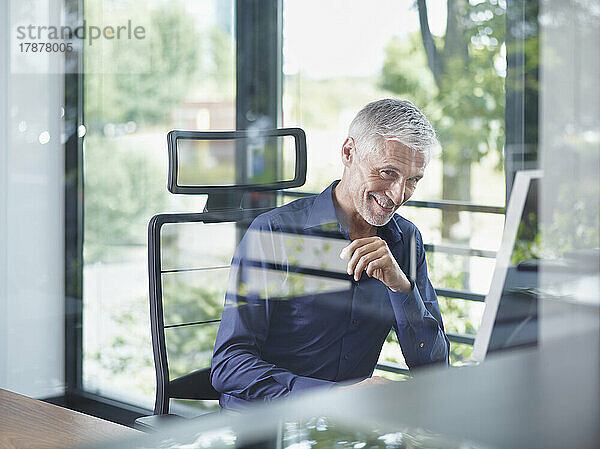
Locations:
(384, 180)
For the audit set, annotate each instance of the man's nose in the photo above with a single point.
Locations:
(396, 192)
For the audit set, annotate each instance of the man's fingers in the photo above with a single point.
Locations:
(364, 261)
(374, 265)
(349, 250)
(361, 252)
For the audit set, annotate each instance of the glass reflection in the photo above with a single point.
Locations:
(216, 162)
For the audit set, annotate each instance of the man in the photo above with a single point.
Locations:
(283, 329)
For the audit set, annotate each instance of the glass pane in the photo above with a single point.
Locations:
(192, 296)
(391, 351)
(473, 274)
(185, 81)
(216, 162)
(474, 229)
(459, 353)
(460, 315)
(463, 97)
(197, 245)
(192, 408)
(190, 348)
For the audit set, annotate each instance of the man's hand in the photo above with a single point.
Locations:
(372, 255)
(375, 380)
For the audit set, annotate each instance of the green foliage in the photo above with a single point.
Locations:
(189, 347)
(126, 84)
(575, 219)
(148, 97)
(456, 313)
(461, 91)
(405, 71)
(121, 194)
(333, 94)
(467, 110)
(528, 240)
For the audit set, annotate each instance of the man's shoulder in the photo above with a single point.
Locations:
(405, 225)
(293, 214)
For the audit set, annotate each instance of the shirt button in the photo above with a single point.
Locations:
(346, 357)
(354, 322)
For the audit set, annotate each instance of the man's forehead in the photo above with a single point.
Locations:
(394, 151)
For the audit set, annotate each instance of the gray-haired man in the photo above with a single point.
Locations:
(272, 344)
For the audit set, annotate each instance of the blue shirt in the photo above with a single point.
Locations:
(294, 319)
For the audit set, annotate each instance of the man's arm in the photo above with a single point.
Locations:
(256, 283)
(419, 323)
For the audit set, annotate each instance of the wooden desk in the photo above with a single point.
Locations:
(29, 423)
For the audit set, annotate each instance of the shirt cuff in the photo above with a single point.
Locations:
(302, 383)
(413, 305)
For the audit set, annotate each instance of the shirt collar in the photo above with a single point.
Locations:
(391, 232)
(322, 213)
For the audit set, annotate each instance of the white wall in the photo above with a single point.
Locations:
(31, 218)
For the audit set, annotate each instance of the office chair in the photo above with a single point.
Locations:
(223, 213)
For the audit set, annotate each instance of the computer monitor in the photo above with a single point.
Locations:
(510, 318)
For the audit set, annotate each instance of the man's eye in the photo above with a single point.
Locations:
(413, 180)
(388, 174)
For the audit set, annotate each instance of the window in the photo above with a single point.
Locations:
(345, 62)
(185, 80)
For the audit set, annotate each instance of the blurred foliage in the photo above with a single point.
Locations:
(458, 81)
(194, 296)
(189, 348)
(528, 242)
(125, 84)
(575, 218)
(464, 95)
(334, 97)
(121, 194)
(456, 312)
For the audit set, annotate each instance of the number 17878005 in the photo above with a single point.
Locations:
(48, 47)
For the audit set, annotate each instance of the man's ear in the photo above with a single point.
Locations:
(348, 151)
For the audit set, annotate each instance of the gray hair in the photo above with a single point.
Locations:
(392, 119)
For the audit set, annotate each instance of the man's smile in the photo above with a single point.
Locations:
(383, 202)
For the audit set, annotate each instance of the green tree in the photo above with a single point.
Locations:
(463, 93)
(121, 194)
(126, 84)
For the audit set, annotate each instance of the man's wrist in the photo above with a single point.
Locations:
(406, 287)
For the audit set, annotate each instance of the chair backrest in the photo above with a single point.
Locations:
(188, 282)
(186, 301)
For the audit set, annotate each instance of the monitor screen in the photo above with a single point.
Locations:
(510, 318)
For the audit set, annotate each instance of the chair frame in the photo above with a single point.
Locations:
(195, 385)
(223, 205)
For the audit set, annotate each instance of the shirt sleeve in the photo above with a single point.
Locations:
(419, 325)
(256, 282)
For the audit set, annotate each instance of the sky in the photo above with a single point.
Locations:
(334, 37)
